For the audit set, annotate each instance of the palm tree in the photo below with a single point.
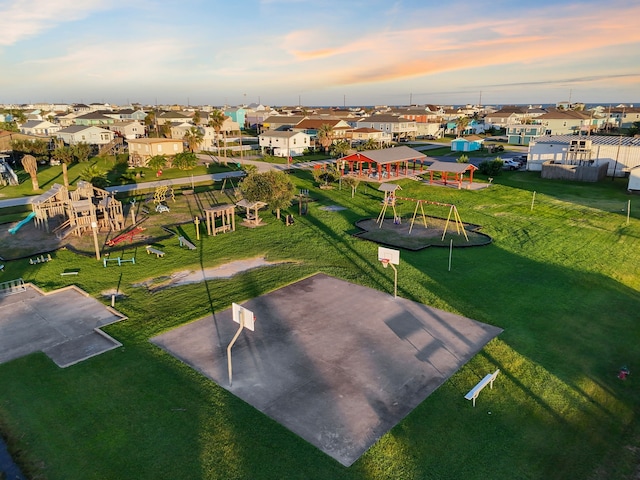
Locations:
(325, 136)
(216, 120)
(461, 124)
(64, 155)
(193, 137)
(30, 165)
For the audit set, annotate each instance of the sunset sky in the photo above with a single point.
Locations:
(319, 52)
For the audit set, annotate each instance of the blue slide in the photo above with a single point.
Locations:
(13, 230)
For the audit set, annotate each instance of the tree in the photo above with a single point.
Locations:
(273, 187)
(185, 161)
(216, 120)
(81, 151)
(95, 176)
(193, 137)
(370, 144)
(463, 158)
(461, 124)
(64, 155)
(352, 182)
(157, 162)
(197, 118)
(339, 149)
(325, 136)
(30, 165)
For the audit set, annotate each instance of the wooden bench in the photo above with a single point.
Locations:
(158, 253)
(475, 391)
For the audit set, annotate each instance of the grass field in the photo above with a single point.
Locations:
(560, 278)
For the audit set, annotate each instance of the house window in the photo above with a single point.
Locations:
(295, 141)
(159, 147)
(175, 147)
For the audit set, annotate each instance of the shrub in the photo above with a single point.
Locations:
(491, 167)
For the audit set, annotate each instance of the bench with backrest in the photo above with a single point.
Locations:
(475, 391)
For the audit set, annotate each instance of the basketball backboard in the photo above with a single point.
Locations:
(239, 312)
(393, 256)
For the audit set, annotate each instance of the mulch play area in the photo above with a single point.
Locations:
(337, 372)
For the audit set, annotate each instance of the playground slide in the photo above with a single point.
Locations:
(13, 230)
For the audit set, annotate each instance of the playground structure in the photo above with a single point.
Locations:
(83, 209)
(252, 218)
(303, 202)
(125, 236)
(118, 260)
(7, 175)
(19, 225)
(160, 195)
(390, 199)
(222, 214)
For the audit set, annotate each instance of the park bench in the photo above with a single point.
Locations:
(145, 210)
(158, 253)
(475, 391)
(186, 243)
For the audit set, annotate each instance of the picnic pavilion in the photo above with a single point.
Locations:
(385, 164)
(444, 169)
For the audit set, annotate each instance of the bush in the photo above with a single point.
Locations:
(490, 167)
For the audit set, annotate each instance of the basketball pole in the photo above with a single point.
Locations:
(235, 337)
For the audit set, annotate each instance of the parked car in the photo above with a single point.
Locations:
(510, 164)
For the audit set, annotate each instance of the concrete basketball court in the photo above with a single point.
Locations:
(64, 324)
(336, 363)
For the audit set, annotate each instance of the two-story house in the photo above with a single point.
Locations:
(398, 127)
(283, 143)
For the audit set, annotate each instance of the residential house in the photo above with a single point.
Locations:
(281, 122)
(364, 134)
(471, 143)
(624, 116)
(129, 129)
(85, 134)
(311, 126)
(66, 119)
(560, 122)
(238, 115)
(523, 134)
(283, 143)
(255, 118)
(40, 128)
(142, 149)
(173, 117)
(620, 153)
(178, 130)
(94, 118)
(398, 127)
(81, 108)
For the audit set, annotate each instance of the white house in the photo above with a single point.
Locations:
(80, 133)
(40, 128)
(621, 153)
(284, 144)
(128, 130)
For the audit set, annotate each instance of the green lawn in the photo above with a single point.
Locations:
(561, 279)
(118, 173)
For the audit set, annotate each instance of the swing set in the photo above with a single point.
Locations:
(390, 199)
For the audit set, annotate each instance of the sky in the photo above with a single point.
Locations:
(319, 52)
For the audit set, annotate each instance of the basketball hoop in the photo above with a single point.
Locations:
(385, 262)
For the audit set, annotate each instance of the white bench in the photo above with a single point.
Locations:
(475, 391)
(150, 250)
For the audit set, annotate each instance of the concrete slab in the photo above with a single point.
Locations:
(63, 324)
(336, 363)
